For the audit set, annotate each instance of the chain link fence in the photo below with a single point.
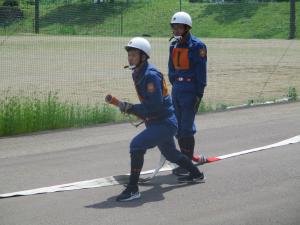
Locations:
(79, 51)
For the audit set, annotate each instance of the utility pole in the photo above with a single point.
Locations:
(37, 16)
(292, 19)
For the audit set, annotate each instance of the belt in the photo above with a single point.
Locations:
(157, 118)
(183, 79)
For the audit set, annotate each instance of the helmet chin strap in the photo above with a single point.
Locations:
(179, 38)
(133, 66)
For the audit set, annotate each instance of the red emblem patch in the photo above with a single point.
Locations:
(202, 52)
(150, 87)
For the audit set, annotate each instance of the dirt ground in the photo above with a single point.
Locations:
(85, 69)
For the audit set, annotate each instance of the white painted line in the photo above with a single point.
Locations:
(122, 179)
(292, 140)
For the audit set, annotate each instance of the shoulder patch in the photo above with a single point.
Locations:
(202, 52)
(150, 87)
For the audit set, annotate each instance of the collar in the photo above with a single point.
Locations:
(139, 74)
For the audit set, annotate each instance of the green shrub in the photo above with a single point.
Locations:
(292, 94)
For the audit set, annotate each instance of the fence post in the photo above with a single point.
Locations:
(292, 19)
(121, 21)
(37, 16)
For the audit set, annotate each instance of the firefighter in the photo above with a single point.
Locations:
(156, 109)
(187, 74)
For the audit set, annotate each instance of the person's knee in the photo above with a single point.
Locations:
(137, 155)
(136, 145)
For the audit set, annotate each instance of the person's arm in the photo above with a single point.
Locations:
(171, 69)
(200, 55)
(153, 101)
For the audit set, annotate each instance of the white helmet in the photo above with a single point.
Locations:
(139, 43)
(182, 18)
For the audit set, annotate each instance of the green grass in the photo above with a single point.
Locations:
(29, 114)
(19, 114)
(292, 94)
(205, 107)
(238, 20)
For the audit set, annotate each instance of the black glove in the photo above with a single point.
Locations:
(197, 103)
(125, 107)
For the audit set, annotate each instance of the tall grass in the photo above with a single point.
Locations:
(19, 114)
(28, 114)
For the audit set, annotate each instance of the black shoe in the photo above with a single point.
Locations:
(180, 172)
(130, 193)
(192, 179)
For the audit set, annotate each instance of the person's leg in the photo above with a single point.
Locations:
(132, 191)
(148, 138)
(177, 112)
(187, 129)
(168, 149)
(187, 145)
(186, 138)
(136, 165)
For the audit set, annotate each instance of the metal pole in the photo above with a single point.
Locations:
(121, 22)
(292, 19)
(37, 17)
(180, 4)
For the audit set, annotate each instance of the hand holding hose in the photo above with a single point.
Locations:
(123, 106)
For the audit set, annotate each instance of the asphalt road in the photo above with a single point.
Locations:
(255, 189)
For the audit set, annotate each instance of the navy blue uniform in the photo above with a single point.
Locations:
(161, 125)
(157, 110)
(187, 74)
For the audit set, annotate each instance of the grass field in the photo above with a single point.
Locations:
(84, 69)
(232, 20)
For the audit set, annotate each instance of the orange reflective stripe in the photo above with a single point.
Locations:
(164, 87)
(180, 58)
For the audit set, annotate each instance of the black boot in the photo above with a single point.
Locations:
(186, 145)
(194, 176)
(130, 193)
(179, 171)
(192, 179)
(132, 190)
